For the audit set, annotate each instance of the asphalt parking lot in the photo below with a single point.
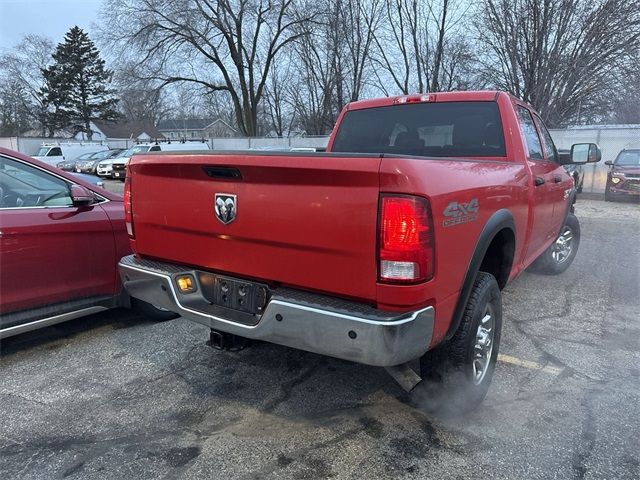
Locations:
(114, 396)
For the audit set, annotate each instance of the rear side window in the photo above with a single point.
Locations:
(155, 148)
(55, 152)
(530, 134)
(448, 129)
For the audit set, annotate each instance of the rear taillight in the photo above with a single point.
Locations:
(406, 246)
(128, 207)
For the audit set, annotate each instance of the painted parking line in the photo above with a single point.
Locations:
(529, 364)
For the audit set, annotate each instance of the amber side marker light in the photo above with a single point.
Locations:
(186, 283)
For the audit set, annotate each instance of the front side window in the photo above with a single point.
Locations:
(22, 186)
(530, 134)
(549, 146)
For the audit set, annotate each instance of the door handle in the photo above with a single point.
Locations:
(557, 178)
(539, 181)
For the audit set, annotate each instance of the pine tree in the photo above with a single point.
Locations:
(77, 84)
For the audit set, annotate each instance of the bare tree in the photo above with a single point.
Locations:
(22, 68)
(223, 45)
(278, 112)
(558, 55)
(360, 20)
(415, 41)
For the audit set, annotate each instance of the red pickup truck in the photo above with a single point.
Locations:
(392, 246)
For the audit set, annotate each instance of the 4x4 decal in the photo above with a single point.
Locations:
(459, 212)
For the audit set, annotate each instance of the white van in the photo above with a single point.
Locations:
(52, 153)
(119, 165)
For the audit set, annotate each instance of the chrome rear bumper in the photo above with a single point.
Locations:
(315, 323)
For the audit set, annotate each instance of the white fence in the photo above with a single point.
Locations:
(610, 138)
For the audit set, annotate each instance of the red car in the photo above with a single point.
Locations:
(60, 242)
(391, 247)
(623, 178)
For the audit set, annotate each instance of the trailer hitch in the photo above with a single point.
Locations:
(227, 341)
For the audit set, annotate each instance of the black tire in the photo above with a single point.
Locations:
(453, 384)
(608, 196)
(576, 183)
(556, 259)
(151, 312)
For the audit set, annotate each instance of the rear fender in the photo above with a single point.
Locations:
(498, 221)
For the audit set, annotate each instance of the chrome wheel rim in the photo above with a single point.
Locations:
(483, 347)
(563, 245)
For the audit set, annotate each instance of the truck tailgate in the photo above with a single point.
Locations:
(306, 221)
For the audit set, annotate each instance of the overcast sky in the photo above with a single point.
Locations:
(51, 18)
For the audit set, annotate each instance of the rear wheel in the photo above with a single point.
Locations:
(560, 254)
(152, 312)
(457, 374)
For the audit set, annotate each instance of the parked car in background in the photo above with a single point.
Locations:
(104, 167)
(67, 165)
(61, 240)
(53, 153)
(575, 170)
(119, 165)
(623, 178)
(70, 165)
(90, 164)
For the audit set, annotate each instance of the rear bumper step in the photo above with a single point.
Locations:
(315, 323)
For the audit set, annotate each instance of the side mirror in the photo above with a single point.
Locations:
(80, 196)
(585, 153)
(608, 162)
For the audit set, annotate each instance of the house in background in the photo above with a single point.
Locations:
(139, 131)
(192, 128)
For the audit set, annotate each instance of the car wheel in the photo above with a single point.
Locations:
(152, 312)
(608, 196)
(457, 374)
(560, 254)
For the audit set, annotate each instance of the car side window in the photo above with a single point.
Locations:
(55, 152)
(155, 149)
(549, 146)
(23, 186)
(530, 134)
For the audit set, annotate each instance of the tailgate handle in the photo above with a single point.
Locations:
(229, 173)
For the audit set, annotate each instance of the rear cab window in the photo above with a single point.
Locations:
(446, 129)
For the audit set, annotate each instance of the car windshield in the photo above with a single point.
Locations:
(42, 152)
(629, 159)
(136, 149)
(100, 155)
(85, 156)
